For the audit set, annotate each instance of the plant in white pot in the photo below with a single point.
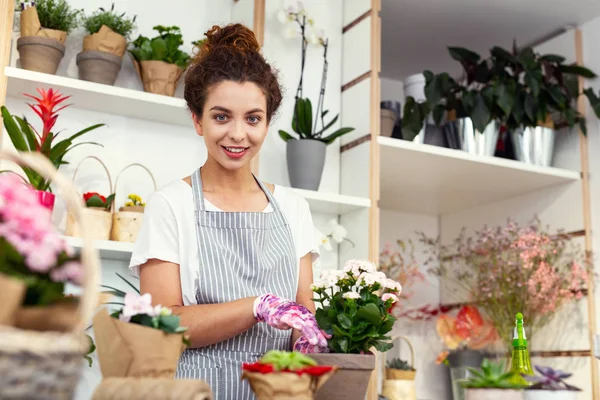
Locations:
(354, 308)
(550, 385)
(491, 382)
(306, 150)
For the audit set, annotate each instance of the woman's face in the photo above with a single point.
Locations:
(234, 123)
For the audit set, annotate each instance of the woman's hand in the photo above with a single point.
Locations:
(303, 346)
(286, 314)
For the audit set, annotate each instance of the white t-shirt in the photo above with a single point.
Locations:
(168, 231)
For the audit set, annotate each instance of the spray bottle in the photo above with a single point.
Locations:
(520, 362)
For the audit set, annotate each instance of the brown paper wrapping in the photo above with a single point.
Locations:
(30, 26)
(139, 209)
(60, 317)
(131, 350)
(285, 385)
(158, 77)
(394, 374)
(105, 40)
(151, 389)
(12, 292)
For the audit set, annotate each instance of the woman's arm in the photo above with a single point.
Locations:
(305, 294)
(207, 323)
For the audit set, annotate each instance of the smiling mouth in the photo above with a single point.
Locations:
(235, 152)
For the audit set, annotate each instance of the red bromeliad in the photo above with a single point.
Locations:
(45, 110)
(262, 368)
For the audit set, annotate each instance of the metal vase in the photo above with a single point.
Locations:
(305, 162)
(534, 145)
(475, 142)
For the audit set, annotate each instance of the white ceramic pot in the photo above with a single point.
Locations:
(550, 395)
(494, 394)
(414, 86)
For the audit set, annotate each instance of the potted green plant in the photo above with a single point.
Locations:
(159, 61)
(354, 308)
(550, 385)
(519, 90)
(26, 138)
(491, 382)
(399, 380)
(286, 375)
(306, 150)
(104, 46)
(44, 29)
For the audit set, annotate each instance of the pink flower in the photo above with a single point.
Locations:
(136, 305)
(389, 296)
(41, 259)
(70, 272)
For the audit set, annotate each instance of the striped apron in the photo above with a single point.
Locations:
(242, 254)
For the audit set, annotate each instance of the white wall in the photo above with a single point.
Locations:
(392, 89)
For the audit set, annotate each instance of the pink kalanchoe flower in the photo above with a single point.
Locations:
(389, 296)
(70, 272)
(136, 305)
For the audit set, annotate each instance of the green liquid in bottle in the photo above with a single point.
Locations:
(520, 362)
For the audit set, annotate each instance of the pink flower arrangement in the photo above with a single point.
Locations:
(30, 246)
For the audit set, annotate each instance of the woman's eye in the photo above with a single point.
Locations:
(221, 117)
(253, 120)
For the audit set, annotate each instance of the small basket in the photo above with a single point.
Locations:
(98, 219)
(46, 365)
(398, 384)
(127, 222)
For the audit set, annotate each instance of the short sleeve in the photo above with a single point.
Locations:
(158, 236)
(308, 241)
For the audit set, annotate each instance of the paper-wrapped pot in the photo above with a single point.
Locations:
(40, 49)
(285, 385)
(12, 292)
(59, 317)
(158, 77)
(132, 350)
(105, 40)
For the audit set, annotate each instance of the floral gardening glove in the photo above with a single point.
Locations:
(285, 314)
(303, 346)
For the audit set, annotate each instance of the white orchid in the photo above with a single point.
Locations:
(291, 32)
(317, 37)
(323, 240)
(284, 17)
(338, 232)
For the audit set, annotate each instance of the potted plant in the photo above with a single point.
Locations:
(135, 204)
(550, 385)
(399, 381)
(286, 375)
(159, 61)
(104, 46)
(519, 91)
(26, 138)
(138, 340)
(44, 29)
(35, 263)
(353, 307)
(306, 151)
(491, 382)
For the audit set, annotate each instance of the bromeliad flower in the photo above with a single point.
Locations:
(45, 110)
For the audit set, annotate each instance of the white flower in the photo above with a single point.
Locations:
(312, 38)
(380, 277)
(338, 232)
(317, 285)
(323, 240)
(389, 296)
(368, 278)
(392, 285)
(136, 305)
(290, 32)
(351, 295)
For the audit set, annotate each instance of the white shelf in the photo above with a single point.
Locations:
(427, 179)
(102, 98)
(331, 203)
(107, 249)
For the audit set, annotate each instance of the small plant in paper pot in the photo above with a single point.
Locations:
(139, 340)
(491, 382)
(354, 308)
(134, 203)
(550, 385)
(289, 375)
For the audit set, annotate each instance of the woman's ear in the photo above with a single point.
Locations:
(197, 124)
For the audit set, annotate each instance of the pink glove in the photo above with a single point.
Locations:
(285, 314)
(304, 347)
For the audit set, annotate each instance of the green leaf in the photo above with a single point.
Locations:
(533, 84)
(340, 132)
(506, 97)
(169, 322)
(463, 55)
(370, 313)
(530, 107)
(338, 332)
(527, 58)
(388, 325)
(324, 113)
(412, 120)
(95, 201)
(482, 74)
(127, 282)
(28, 133)
(146, 51)
(344, 321)
(428, 76)
(343, 344)
(558, 96)
(15, 134)
(322, 319)
(329, 125)
(438, 114)
(501, 54)
(583, 126)
(594, 101)
(469, 101)
(308, 120)
(552, 58)
(481, 115)
(383, 346)
(285, 136)
(577, 70)
(113, 290)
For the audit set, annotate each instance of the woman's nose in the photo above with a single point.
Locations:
(237, 132)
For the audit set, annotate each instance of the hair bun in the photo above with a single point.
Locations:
(236, 36)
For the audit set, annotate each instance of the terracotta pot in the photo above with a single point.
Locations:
(60, 317)
(98, 66)
(46, 199)
(12, 292)
(351, 379)
(41, 54)
(550, 395)
(494, 394)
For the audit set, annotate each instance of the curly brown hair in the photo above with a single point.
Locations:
(230, 53)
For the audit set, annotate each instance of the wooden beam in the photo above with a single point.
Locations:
(358, 80)
(7, 12)
(356, 21)
(374, 184)
(587, 220)
(259, 30)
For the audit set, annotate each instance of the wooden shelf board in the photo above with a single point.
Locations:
(107, 249)
(332, 203)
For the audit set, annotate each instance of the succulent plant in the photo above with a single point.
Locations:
(284, 360)
(398, 363)
(492, 375)
(550, 379)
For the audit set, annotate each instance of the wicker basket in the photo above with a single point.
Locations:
(400, 384)
(127, 222)
(98, 219)
(46, 365)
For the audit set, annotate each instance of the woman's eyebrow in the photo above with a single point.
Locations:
(255, 110)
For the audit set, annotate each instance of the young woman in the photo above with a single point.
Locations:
(231, 255)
